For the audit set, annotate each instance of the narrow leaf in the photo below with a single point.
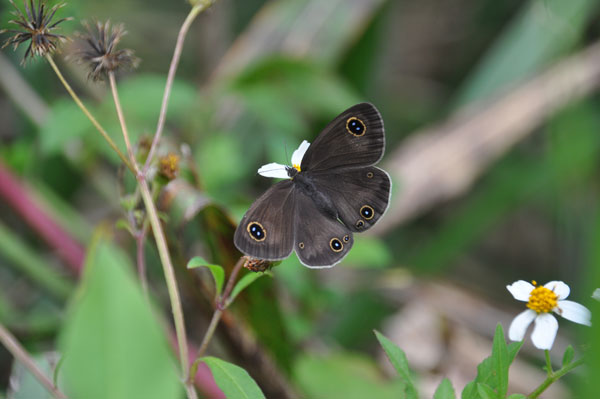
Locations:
(517, 396)
(444, 390)
(568, 356)
(216, 270)
(245, 282)
(398, 360)
(234, 381)
(500, 361)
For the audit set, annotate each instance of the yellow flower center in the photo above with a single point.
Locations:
(297, 167)
(542, 300)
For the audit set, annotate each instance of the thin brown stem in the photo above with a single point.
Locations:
(115, 94)
(15, 348)
(194, 12)
(87, 113)
(163, 250)
(140, 239)
(214, 322)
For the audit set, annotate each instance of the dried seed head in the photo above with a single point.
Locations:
(35, 27)
(169, 166)
(98, 50)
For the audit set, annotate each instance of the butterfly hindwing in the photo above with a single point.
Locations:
(361, 195)
(354, 138)
(267, 229)
(320, 241)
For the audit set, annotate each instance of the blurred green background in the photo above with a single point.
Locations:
(258, 77)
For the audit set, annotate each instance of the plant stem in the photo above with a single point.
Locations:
(548, 363)
(194, 12)
(87, 113)
(214, 322)
(161, 244)
(553, 377)
(15, 348)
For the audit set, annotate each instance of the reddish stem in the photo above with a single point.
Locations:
(18, 197)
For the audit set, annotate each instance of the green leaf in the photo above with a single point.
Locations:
(486, 372)
(23, 385)
(517, 396)
(486, 392)
(528, 44)
(245, 282)
(398, 360)
(234, 381)
(500, 361)
(343, 375)
(568, 356)
(112, 344)
(216, 270)
(444, 390)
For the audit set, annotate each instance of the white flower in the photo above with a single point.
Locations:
(596, 294)
(280, 171)
(541, 300)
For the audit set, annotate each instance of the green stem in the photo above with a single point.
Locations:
(115, 94)
(548, 362)
(15, 348)
(553, 377)
(87, 113)
(161, 244)
(194, 12)
(222, 303)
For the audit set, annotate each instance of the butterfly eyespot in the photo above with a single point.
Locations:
(367, 212)
(336, 245)
(355, 126)
(301, 245)
(370, 175)
(360, 224)
(346, 238)
(256, 231)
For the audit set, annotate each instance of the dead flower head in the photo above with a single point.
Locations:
(98, 50)
(35, 27)
(169, 166)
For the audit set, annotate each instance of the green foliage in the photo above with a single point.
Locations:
(245, 281)
(398, 360)
(444, 390)
(536, 36)
(492, 373)
(343, 376)
(111, 342)
(568, 355)
(24, 385)
(216, 271)
(234, 381)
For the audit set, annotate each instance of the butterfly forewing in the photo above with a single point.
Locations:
(267, 230)
(320, 240)
(355, 138)
(361, 195)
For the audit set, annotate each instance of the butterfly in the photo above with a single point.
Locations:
(331, 190)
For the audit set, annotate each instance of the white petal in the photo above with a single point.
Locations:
(519, 325)
(559, 288)
(575, 312)
(596, 294)
(273, 170)
(544, 331)
(299, 153)
(520, 290)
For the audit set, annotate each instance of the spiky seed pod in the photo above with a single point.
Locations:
(36, 27)
(98, 50)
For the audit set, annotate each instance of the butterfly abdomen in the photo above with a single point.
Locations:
(305, 184)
